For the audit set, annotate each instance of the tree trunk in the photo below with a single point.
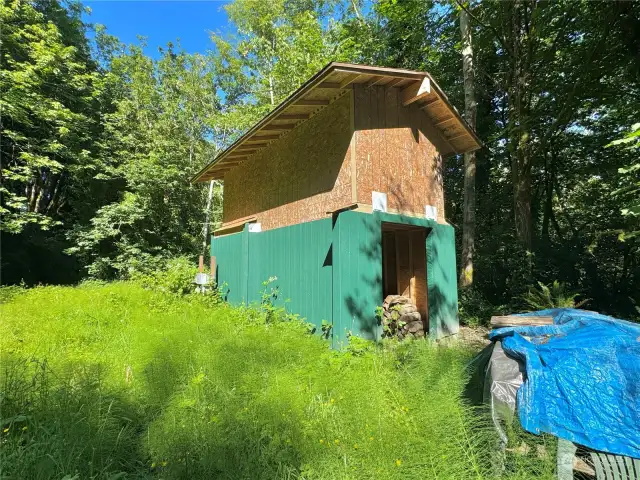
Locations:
(35, 191)
(47, 193)
(518, 82)
(522, 195)
(271, 96)
(470, 108)
(549, 217)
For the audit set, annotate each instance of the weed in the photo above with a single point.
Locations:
(115, 381)
(326, 328)
(268, 297)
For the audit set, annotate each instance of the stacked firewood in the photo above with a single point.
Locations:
(400, 318)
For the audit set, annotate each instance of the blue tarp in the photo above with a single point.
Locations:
(582, 379)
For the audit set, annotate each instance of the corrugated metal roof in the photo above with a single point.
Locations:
(329, 84)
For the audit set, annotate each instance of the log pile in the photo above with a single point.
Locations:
(401, 319)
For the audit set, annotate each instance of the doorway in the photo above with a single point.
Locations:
(404, 264)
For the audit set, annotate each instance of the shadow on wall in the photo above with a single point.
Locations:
(365, 291)
(292, 177)
(363, 300)
(400, 199)
(442, 282)
(400, 143)
(365, 324)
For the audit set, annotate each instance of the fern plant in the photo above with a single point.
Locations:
(554, 295)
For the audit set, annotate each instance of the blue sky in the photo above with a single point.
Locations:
(161, 21)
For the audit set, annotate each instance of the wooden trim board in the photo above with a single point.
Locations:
(519, 320)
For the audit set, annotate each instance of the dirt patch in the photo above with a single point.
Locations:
(475, 337)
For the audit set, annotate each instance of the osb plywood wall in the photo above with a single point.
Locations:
(396, 152)
(299, 177)
(307, 172)
(419, 260)
(405, 265)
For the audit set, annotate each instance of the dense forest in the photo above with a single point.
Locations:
(99, 139)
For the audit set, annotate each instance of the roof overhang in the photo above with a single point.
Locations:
(324, 88)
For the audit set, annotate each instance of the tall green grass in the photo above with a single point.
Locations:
(115, 381)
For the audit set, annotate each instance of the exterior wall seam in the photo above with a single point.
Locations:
(354, 145)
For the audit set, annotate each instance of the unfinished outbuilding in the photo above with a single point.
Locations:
(338, 193)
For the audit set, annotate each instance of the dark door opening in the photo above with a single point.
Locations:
(404, 263)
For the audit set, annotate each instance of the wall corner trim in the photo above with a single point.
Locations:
(352, 147)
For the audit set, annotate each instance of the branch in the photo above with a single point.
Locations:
(357, 12)
(569, 99)
(495, 31)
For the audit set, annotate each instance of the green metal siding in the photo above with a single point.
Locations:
(357, 280)
(299, 256)
(357, 283)
(332, 270)
(229, 251)
(442, 282)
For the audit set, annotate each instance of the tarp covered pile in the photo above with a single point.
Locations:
(581, 378)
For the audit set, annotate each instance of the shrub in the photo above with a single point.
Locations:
(175, 276)
(268, 298)
(178, 277)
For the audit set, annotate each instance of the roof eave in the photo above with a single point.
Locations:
(310, 84)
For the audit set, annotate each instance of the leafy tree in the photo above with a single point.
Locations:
(157, 138)
(98, 146)
(555, 83)
(48, 113)
(281, 44)
(630, 193)
(50, 101)
(276, 47)
(169, 120)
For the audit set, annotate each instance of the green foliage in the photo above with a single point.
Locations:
(555, 84)
(379, 313)
(176, 277)
(326, 329)
(99, 144)
(48, 85)
(108, 154)
(10, 291)
(51, 98)
(390, 325)
(156, 139)
(279, 44)
(474, 309)
(630, 192)
(276, 46)
(109, 381)
(358, 346)
(268, 297)
(554, 295)
(271, 310)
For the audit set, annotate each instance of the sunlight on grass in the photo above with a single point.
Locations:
(102, 380)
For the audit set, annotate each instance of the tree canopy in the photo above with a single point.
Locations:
(99, 140)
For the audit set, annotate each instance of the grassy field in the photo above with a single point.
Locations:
(115, 381)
